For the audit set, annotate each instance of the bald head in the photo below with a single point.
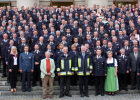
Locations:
(47, 54)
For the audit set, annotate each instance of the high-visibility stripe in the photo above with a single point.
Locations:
(91, 67)
(62, 64)
(62, 73)
(70, 63)
(73, 69)
(58, 69)
(88, 62)
(69, 73)
(87, 73)
(80, 73)
(76, 68)
(79, 62)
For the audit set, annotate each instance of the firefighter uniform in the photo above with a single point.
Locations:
(83, 66)
(65, 67)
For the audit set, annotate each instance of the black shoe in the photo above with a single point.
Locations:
(96, 94)
(125, 89)
(133, 88)
(86, 95)
(23, 90)
(29, 90)
(33, 85)
(8, 81)
(82, 95)
(3, 76)
(102, 94)
(67, 94)
(40, 84)
(61, 96)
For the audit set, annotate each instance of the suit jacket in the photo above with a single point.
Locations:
(11, 61)
(133, 62)
(26, 62)
(43, 68)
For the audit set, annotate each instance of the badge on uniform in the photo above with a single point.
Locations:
(29, 57)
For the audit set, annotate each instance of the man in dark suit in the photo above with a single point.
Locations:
(3, 44)
(26, 66)
(21, 45)
(38, 55)
(133, 68)
(123, 69)
(99, 71)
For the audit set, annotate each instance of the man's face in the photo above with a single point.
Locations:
(135, 49)
(26, 49)
(98, 52)
(122, 51)
(83, 49)
(36, 47)
(47, 55)
(65, 50)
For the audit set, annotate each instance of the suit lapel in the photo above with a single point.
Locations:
(45, 64)
(133, 56)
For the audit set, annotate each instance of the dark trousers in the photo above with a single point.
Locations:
(36, 75)
(64, 80)
(135, 80)
(8, 74)
(83, 83)
(73, 80)
(99, 84)
(24, 75)
(90, 80)
(122, 81)
(4, 67)
(13, 76)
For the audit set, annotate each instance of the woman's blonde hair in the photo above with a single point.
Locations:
(13, 47)
(109, 52)
(73, 46)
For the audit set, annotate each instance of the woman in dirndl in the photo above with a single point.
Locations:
(111, 83)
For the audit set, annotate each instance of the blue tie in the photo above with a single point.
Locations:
(83, 55)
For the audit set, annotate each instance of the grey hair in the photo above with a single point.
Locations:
(83, 46)
(51, 36)
(47, 52)
(65, 47)
(122, 49)
(75, 22)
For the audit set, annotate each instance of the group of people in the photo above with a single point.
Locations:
(76, 43)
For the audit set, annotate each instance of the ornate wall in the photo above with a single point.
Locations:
(47, 2)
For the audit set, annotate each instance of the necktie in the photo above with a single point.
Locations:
(66, 55)
(136, 56)
(83, 55)
(37, 51)
(123, 56)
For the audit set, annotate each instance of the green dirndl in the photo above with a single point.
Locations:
(111, 83)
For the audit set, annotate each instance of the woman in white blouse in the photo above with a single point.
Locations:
(13, 68)
(111, 83)
(137, 37)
